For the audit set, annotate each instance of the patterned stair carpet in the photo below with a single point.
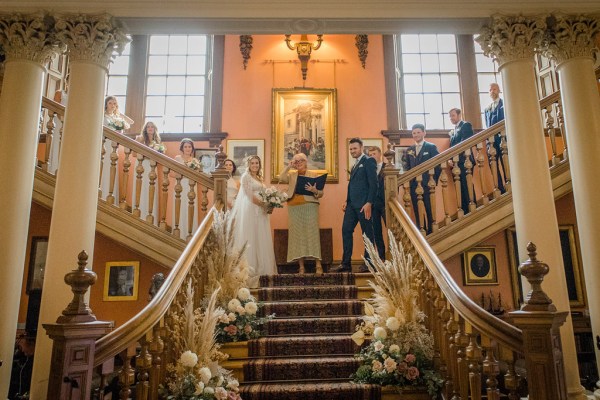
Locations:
(307, 352)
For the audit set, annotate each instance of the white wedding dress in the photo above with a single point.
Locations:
(253, 226)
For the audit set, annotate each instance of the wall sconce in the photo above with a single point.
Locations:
(304, 48)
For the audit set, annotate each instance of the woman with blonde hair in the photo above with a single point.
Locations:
(114, 120)
(187, 149)
(252, 223)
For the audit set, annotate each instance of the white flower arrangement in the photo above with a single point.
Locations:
(159, 147)
(272, 198)
(194, 164)
(242, 322)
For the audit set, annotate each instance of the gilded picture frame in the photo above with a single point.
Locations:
(479, 266)
(305, 120)
(121, 281)
(571, 260)
(239, 149)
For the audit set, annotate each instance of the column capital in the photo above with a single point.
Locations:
(28, 37)
(571, 36)
(508, 38)
(93, 38)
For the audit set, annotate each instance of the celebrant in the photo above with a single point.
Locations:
(305, 188)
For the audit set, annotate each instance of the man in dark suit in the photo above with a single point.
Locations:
(362, 190)
(494, 113)
(379, 204)
(461, 132)
(417, 154)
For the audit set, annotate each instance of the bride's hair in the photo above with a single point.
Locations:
(250, 158)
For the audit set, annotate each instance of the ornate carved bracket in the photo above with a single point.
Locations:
(362, 42)
(246, 48)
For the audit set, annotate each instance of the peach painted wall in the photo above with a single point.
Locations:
(361, 105)
(105, 250)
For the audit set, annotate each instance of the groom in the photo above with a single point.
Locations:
(362, 190)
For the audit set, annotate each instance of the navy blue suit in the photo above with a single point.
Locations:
(493, 116)
(410, 160)
(462, 132)
(379, 213)
(362, 189)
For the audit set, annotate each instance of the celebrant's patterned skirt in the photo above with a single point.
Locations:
(303, 239)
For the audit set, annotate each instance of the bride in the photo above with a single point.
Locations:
(252, 225)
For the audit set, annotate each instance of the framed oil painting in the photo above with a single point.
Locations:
(571, 261)
(368, 142)
(207, 158)
(305, 120)
(240, 150)
(121, 281)
(479, 266)
(37, 263)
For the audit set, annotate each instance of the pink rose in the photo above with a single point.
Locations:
(410, 358)
(247, 328)
(412, 373)
(402, 367)
(231, 329)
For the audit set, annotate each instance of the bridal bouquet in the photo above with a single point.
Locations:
(272, 198)
(242, 322)
(116, 124)
(194, 164)
(158, 147)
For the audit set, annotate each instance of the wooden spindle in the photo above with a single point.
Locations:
(549, 122)
(452, 376)
(493, 157)
(445, 194)
(139, 176)
(490, 369)
(204, 204)
(469, 176)
(156, 350)
(457, 192)
(102, 155)
(191, 209)
(511, 379)
(151, 192)
(406, 197)
(114, 158)
(420, 211)
(165, 199)
(432, 194)
(127, 373)
(480, 167)
(178, 188)
(462, 341)
(143, 364)
(561, 126)
(504, 148)
(474, 358)
(126, 167)
(50, 125)
(105, 370)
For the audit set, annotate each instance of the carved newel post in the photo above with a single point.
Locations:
(220, 176)
(390, 183)
(74, 335)
(540, 323)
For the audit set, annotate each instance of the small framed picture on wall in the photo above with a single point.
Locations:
(121, 281)
(37, 263)
(479, 266)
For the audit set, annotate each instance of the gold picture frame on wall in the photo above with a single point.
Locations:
(305, 120)
(571, 261)
(121, 281)
(479, 266)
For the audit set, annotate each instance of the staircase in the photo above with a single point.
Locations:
(306, 351)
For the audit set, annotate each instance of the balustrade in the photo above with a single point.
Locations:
(476, 352)
(140, 181)
(484, 171)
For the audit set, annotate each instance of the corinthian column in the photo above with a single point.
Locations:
(92, 41)
(29, 44)
(570, 43)
(511, 41)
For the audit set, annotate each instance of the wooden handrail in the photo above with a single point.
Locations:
(483, 321)
(122, 337)
(53, 106)
(196, 176)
